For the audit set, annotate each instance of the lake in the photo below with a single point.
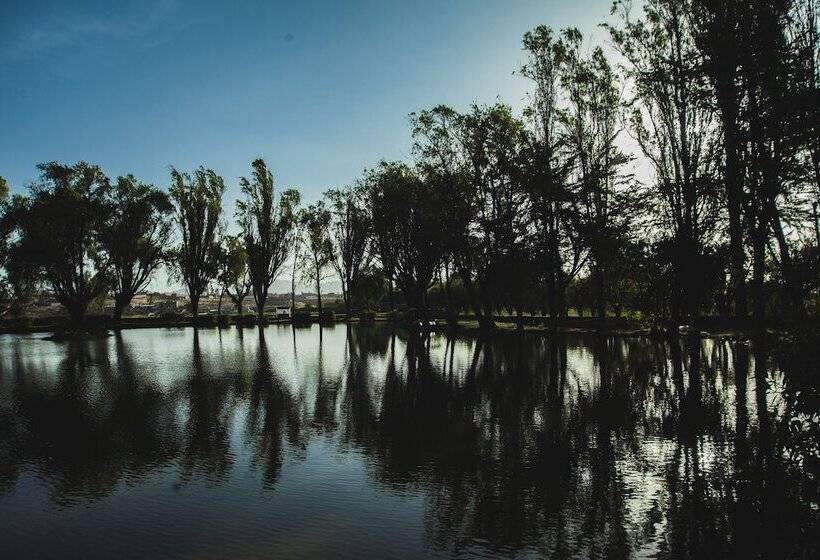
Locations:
(358, 442)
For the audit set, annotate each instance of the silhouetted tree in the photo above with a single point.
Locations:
(408, 216)
(198, 201)
(56, 229)
(554, 210)
(133, 237)
(350, 228)
(590, 122)
(315, 224)
(267, 226)
(233, 270)
(671, 117)
(718, 30)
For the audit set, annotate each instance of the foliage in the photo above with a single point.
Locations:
(319, 254)
(198, 202)
(233, 270)
(133, 237)
(267, 225)
(56, 235)
(350, 228)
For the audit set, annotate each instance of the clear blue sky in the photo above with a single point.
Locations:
(320, 89)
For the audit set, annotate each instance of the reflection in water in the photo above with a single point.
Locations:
(584, 445)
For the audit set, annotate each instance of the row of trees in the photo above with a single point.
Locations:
(717, 102)
(82, 236)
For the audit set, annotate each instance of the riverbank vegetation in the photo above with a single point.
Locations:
(669, 175)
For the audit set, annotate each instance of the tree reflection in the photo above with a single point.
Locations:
(98, 421)
(274, 416)
(520, 449)
(565, 444)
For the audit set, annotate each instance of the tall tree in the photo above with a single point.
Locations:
(350, 227)
(267, 226)
(133, 237)
(442, 161)
(590, 122)
(198, 202)
(493, 140)
(671, 117)
(547, 168)
(768, 67)
(4, 285)
(56, 234)
(315, 224)
(719, 30)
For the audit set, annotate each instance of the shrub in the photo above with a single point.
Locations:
(327, 316)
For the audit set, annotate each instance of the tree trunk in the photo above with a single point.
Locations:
(194, 306)
(319, 296)
(600, 290)
(758, 271)
(76, 312)
(734, 195)
(119, 307)
(792, 284)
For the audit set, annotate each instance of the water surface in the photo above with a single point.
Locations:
(361, 442)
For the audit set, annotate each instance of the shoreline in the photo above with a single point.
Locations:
(704, 326)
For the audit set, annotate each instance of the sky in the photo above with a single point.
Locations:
(320, 89)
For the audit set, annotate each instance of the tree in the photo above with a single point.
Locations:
(267, 227)
(133, 237)
(296, 261)
(315, 223)
(233, 270)
(590, 125)
(56, 234)
(492, 139)
(350, 227)
(198, 201)
(673, 121)
(4, 288)
(409, 215)
(718, 31)
(546, 171)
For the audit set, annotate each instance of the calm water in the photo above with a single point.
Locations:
(361, 443)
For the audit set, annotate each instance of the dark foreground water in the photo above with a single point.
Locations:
(354, 443)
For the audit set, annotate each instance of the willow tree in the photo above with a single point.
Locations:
(672, 119)
(134, 237)
(198, 202)
(267, 226)
(56, 229)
